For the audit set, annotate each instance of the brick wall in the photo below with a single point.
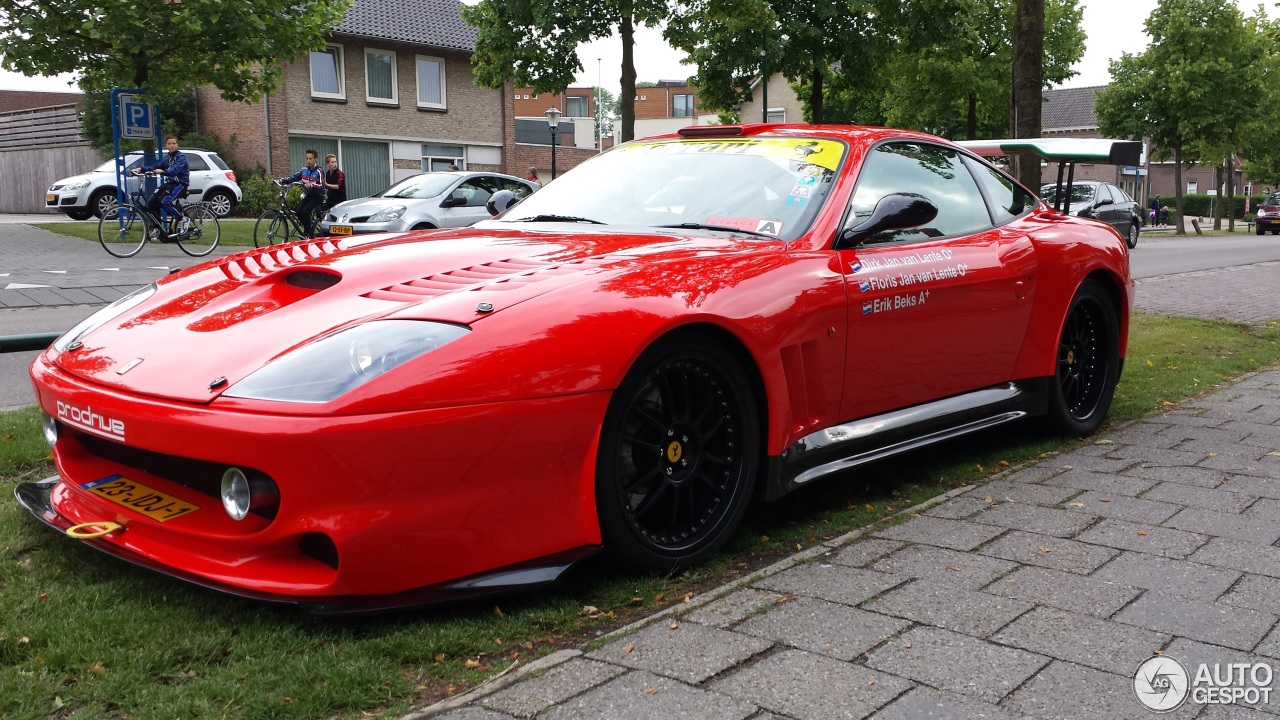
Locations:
(656, 102)
(537, 104)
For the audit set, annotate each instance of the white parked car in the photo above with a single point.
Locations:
(94, 193)
(424, 201)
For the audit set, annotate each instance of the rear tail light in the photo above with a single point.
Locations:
(231, 176)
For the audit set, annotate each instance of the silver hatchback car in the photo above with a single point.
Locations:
(424, 201)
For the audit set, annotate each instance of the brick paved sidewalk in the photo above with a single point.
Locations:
(1036, 595)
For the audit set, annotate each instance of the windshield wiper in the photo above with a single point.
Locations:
(559, 218)
(725, 228)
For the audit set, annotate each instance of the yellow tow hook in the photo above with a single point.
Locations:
(83, 531)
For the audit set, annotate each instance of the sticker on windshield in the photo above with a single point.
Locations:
(805, 151)
(765, 227)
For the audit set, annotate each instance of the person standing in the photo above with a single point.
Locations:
(533, 178)
(1156, 210)
(312, 179)
(335, 183)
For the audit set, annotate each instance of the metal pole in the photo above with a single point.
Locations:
(23, 343)
(554, 133)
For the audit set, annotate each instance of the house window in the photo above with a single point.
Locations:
(575, 106)
(431, 82)
(682, 105)
(380, 76)
(327, 77)
(1191, 187)
(436, 158)
(776, 115)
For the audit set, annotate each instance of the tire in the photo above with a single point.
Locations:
(678, 458)
(79, 214)
(202, 233)
(101, 202)
(1088, 362)
(1259, 230)
(221, 202)
(122, 236)
(272, 228)
(1132, 238)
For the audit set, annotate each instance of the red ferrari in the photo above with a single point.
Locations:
(622, 361)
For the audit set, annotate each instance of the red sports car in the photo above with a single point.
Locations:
(624, 360)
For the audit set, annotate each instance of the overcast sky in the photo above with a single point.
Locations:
(1111, 27)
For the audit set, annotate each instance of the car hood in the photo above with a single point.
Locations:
(90, 176)
(371, 205)
(208, 327)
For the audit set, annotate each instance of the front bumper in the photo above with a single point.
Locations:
(66, 200)
(37, 498)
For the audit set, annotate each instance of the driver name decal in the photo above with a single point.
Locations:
(897, 278)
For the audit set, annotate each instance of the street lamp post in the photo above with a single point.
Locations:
(553, 122)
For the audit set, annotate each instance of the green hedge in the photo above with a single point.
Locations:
(1199, 204)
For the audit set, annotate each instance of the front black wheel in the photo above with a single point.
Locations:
(272, 228)
(678, 457)
(1088, 365)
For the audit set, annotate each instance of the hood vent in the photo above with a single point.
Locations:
(508, 274)
(267, 260)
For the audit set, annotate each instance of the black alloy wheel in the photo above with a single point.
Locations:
(678, 457)
(1088, 363)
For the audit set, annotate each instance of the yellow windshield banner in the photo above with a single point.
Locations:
(823, 153)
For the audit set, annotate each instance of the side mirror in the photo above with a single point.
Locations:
(892, 212)
(1104, 201)
(455, 199)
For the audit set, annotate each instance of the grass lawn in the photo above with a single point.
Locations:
(86, 636)
(232, 231)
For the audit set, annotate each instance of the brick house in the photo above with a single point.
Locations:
(392, 94)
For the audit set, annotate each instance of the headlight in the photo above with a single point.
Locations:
(338, 363)
(76, 185)
(104, 316)
(388, 214)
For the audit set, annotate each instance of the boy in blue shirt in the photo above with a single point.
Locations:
(312, 179)
(177, 177)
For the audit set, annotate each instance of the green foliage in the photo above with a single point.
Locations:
(1202, 205)
(261, 195)
(177, 116)
(532, 42)
(164, 45)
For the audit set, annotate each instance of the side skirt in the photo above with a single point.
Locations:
(854, 443)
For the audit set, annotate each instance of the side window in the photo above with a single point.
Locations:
(1104, 195)
(1007, 199)
(195, 163)
(475, 192)
(929, 170)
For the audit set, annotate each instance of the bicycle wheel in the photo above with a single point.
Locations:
(272, 227)
(122, 232)
(202, 232)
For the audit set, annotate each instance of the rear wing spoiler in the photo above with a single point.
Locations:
(1064, 151)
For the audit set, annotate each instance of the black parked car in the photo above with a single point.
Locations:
(1102, 201)
(1268, 217)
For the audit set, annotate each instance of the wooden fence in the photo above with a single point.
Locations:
(37, 148)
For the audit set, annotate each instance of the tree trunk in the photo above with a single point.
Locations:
(1181, 228)
(815, 96)
(971, 123)
(1028, 82)
(1217, 197)
(627, 100)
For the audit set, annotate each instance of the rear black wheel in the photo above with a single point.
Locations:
(272, 228)
(1088, 364)
(1131, 239)
(201, 235)
(678, 457)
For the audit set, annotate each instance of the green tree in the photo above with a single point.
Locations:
(953, 73)
(164, 45)
(1176, 91)
(177, 115)
(532, 42)
(606, 111)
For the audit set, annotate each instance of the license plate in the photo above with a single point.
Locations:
(339, 229)
(51, 198)
(138, 497)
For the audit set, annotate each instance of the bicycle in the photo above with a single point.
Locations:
(280, 224)
(124, 229)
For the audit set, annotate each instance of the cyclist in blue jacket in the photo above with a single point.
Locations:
(312, 179)
(177, 177)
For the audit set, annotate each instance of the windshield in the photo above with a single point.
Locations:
(133, 159)
(1079, 194)
(771, 186)
(420, 186)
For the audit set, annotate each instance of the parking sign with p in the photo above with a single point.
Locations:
(136, 120)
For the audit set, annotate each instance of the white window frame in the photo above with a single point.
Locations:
(395, 89)
(417, 84)
(1192, 186)
(339, 56)
(580, 99)
(776, 112)
(673, 104)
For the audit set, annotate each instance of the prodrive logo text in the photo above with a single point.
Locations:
(89, 421)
